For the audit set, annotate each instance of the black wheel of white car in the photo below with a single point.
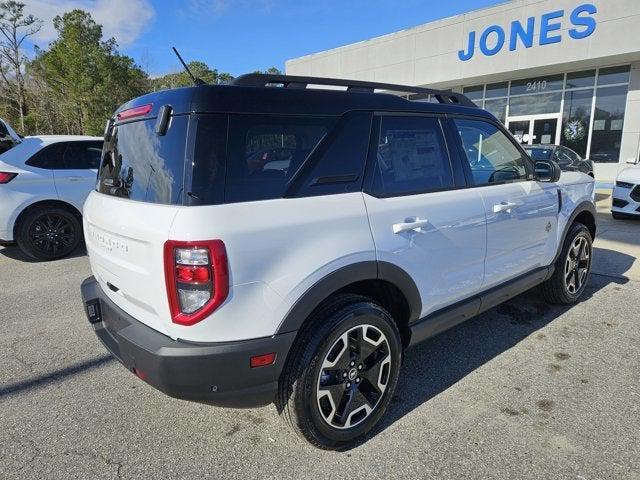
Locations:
(49, 233)
(342, 373)
(572, 268)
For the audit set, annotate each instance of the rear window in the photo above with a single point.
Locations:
(262, 154)
(140, 165)
(539, 153)
(209, 159)
(265, 152)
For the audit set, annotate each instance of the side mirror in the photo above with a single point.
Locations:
(547, 171)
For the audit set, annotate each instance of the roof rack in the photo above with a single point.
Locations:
(295, 82)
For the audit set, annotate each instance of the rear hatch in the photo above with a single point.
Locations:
(139, 192)
(8, 137)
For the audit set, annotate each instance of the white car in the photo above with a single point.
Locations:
(44, 181)
(253, 243)
(626, 194)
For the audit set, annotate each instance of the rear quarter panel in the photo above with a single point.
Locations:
(277, 250)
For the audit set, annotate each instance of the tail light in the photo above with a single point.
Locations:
(197, 279)
(6, 177)
(134, 112)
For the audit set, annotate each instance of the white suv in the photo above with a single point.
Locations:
(270, 242)
(44, 182)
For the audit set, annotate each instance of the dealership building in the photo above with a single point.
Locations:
(553, 71)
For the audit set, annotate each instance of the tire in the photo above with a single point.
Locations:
(48, 233)
(308, 408)
(570, 277)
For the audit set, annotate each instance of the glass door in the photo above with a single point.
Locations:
(535, 129)
(545, 131)
(520, 129)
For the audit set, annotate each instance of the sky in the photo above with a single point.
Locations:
(240, 36)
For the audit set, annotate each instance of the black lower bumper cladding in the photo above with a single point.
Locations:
(213, 373)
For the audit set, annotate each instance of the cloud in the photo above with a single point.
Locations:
(126, 20)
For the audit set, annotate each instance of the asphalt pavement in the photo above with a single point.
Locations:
(523, 391)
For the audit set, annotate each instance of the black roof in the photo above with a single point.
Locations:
(282, 94)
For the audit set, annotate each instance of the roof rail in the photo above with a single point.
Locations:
(291, 81)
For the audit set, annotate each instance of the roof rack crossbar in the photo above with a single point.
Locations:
(291, 81)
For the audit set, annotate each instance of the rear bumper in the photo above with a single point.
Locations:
(217, 374)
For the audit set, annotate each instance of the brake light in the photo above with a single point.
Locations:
(6, 177)
(197, 279)
(140, 111)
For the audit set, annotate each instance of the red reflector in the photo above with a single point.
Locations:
(263, 360)
(6, 177)
(139, 373)
(192, 274)
(135, 112)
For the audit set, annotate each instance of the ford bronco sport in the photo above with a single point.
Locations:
(274, 241)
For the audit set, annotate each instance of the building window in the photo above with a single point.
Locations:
(576, 120)
(608, 123)
(581, 79)
(497, 107)
(614, 75)
(496, 90)
(591, 103)
(535, 104)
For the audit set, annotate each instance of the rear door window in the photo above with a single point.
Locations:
(82, 155)
(411, 157)
(265, 151)
(50, 157)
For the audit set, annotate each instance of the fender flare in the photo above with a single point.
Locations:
(340, 278)
(582, 207)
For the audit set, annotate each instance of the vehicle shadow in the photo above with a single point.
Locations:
(439, 363)
(14, 253)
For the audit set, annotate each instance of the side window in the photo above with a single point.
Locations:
(82, 155)
(265, 151)
(50, 157)
(337, 165)
(492, 156)
(411, 157)
(561, 155)
(573, 156)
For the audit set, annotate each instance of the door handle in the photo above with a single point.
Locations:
(74, 179)
(409, 226)
(504, 207)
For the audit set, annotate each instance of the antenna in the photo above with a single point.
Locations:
(196, 81)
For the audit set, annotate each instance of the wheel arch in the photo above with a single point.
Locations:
(387, 284)
(584, 213)
(41, 204)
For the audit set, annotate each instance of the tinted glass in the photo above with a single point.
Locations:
(535, 104)
(140, 165)
(608, 123)
(492, 156)
(497, 90)
(537, 85)
(497, 107)
(82, 155)
(562, 157)
(581, 79)
(265, 151)
(411, 157)
(613, 75)
(209, 159)
(49, 157)
(474, 93)
(337, 166)
(540, 153)
(576, 119)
